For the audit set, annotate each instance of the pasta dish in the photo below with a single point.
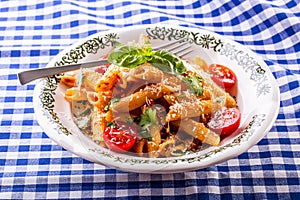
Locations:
(153, 103)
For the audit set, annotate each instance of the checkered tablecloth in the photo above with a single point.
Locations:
(32, 166)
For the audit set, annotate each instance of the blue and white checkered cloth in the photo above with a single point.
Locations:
(34, 167)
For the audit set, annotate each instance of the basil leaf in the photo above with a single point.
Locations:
(167, 62)
(195, 84)
(127, 56)
(132, 56)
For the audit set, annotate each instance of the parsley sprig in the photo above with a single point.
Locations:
(147, 119)
(195, 84)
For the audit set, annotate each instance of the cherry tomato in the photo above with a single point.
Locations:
(119, 140)
(225, 121)
(223, 76)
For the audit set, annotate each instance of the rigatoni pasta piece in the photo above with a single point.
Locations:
(206, 93)
(169, 141)
(199, 131)
(147, 73)
(145, 147)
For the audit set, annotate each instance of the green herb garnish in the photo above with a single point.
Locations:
(132, 56)
(147, 119)
(111, 124)
(110, 103)
(87, 111)
(128, 56)
(195, 84)
(133, 120)
(167, 62)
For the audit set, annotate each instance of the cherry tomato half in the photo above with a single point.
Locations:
(223, 76)
(119, 140)
(225, 121)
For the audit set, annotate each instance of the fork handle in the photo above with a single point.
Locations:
(30, 75)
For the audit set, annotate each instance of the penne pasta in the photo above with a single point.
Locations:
(108, 80)
(90, 79)
(154, 131)
(98, 124)
(139, 146)
(68, 80)
(201, 63)
(74, 94)
(139, 98)
(230, 101)
(145, 72)
(189, 109)
(199, 131)
(171, 98)
(100, 99)
(152, 149)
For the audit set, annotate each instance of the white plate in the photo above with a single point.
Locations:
(258, 98)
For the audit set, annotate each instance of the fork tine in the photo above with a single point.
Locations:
(180, 48)
(177, 47)
(184, 53)
(163, 46)
(174, 47)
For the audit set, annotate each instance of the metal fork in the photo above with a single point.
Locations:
(179, 48)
